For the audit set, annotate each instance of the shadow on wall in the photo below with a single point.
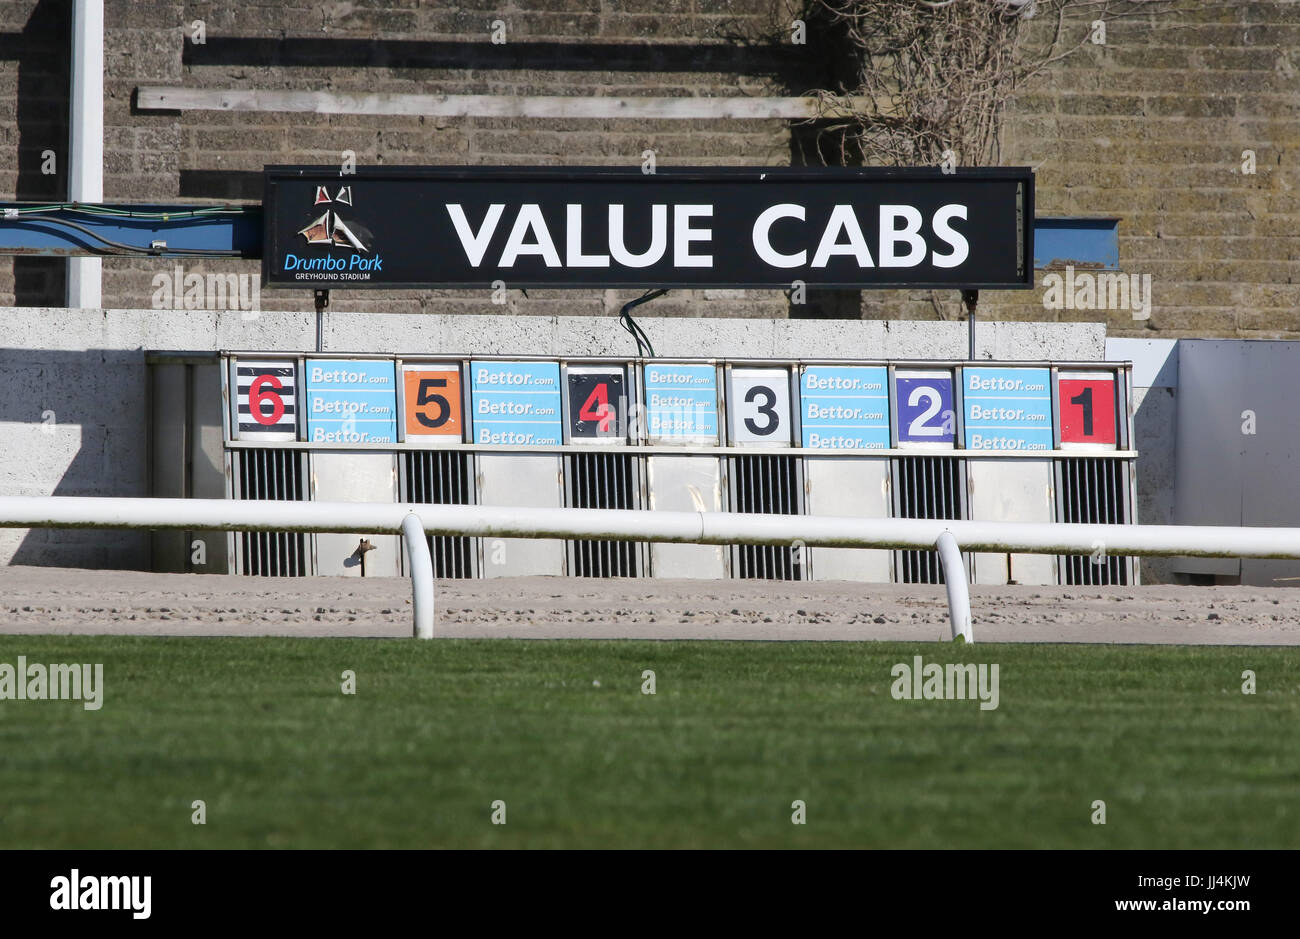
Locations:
(1155, 417)
(790, 69)
(42, 51)
(74, 423)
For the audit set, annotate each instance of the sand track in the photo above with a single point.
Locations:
(52, 600)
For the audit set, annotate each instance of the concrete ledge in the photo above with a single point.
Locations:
(59, 329)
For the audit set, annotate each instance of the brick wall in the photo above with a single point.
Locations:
(421, 48)
(1150, 127)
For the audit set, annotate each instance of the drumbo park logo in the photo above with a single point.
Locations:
(330, 231)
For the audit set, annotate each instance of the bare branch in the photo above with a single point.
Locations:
(932, 78)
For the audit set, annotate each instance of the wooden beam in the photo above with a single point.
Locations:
(165, 98)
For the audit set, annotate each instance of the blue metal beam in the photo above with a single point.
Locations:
(165, 231)
(1081, 242)
(189, 230)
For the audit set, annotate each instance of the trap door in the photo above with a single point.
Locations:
(355, 476)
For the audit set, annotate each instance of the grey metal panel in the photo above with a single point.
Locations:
(1210, 449)
(1270, 483)
(1228, 477)
(342, 476)
(686, 484)
(855, 486)
(520, 479)
(1012, 491)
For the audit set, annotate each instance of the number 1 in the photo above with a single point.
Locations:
(1084, 400)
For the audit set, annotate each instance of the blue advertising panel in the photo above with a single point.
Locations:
(924, 407)
(1007, 408)
(351, 401)
(516, 403)
(845, 407)
(681, 403)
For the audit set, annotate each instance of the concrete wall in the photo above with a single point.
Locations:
(1151, 128)
(73, 413)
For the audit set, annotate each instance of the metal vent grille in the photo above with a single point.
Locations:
(602, 481)
(768, 484)
(442, 477)
(271, 474)
(1093, 490)
(927, 487)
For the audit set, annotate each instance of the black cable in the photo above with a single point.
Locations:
(631, 325)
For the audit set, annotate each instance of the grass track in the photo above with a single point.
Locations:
(437, 731)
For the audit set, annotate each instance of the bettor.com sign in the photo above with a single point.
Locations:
(427, 227)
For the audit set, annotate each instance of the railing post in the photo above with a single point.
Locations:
(421, 563)
(954, 578)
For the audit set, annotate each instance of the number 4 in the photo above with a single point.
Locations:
(602, 413)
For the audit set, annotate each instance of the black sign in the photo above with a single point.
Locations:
(481, 227)
(597, 404)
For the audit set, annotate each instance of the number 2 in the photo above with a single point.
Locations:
(919, 427)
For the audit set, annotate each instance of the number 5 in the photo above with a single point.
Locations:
(426, 395)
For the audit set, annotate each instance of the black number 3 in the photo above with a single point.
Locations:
(766, 409)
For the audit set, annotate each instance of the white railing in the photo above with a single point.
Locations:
(413, 521)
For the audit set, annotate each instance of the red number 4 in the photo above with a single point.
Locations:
(603, 412)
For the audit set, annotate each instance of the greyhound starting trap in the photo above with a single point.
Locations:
(990, 441)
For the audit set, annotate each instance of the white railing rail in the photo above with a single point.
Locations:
(410, 520)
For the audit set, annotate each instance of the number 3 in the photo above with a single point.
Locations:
(767, 409)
